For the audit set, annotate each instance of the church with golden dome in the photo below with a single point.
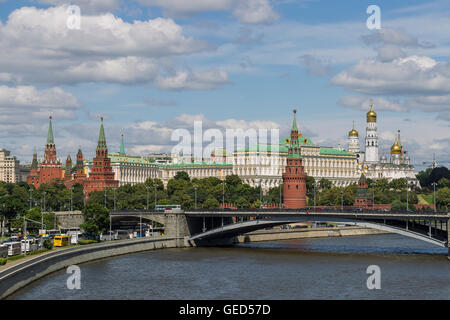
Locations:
(374, 167)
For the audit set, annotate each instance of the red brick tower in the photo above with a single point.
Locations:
(294, 178)
(33, 176)
(362, 198)
(79, 176)
(50, 169)
(68, 172)
(101, 175)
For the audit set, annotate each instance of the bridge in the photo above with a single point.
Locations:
(220, 227)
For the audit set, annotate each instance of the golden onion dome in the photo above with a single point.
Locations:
(353, 133)
(396, 149)
(371, 115)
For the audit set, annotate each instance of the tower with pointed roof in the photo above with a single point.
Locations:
(371, 154)
(122, 147)
(362, 198)
(33, 176)
(50, 168)
(294, 177)
(353, 140)
(101, 175)
(68, 171)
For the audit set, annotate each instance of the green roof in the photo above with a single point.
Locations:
(117, 157)
(334, 152)
(265, 148)
(197, 164)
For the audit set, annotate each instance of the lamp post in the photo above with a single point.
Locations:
(105, 197)
(260, 193)
(407, 195)
(223, 195)
(147, 187)
(342, 200)
(42, 213)
(31, 197)
(84, 198)
(373, 199)
(114, 191)
(280, 194)
(71, 199)
(195, 191)
(434, 195)
(315, 183)
(156, 186)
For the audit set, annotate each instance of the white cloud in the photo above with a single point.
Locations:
(193, 80)
(247, 11)
(38, 48)
(412, 75)
(255, 11)
(87, 6)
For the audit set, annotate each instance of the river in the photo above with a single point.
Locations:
(319, 268)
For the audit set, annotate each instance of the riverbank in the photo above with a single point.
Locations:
(301, 233)
(21, 274)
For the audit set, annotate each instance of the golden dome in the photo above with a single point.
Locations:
(396, 149)
(353, 132)
(371, 115)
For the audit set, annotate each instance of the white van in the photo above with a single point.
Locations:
(14, 248)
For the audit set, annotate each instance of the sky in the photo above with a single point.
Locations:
(149, 67)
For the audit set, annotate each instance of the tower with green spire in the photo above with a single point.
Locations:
(101, 175)
(294, 177)
(122, 147)
(50, 168)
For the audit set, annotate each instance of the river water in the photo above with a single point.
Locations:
(319, 268)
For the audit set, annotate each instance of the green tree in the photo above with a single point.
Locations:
(397, 205)
(182, 175)
(96, 219)
(443, 198)
(211, 203)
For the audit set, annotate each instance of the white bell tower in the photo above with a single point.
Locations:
(371, 136)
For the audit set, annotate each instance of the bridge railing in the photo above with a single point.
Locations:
(305, 210)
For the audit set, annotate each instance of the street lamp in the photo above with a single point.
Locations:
(114, 198)
(147, 187)
(42, 212)
(31, 197)
(342, 200)
(195, 188)
(223, 195)
(71, 199)
(155, 185)
(105, 197)
(280, 194)
(84, 198)
(260, 193)
(315, 184)
(434, 195)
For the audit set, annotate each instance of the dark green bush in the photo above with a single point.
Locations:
(3, 261)
(48, 244)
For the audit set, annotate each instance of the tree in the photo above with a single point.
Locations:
(397, 205)
(182, 175)
(211, 203)
(443, 198)
(96, 219)
(325, 184)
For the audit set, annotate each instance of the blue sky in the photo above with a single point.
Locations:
(152, 66)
